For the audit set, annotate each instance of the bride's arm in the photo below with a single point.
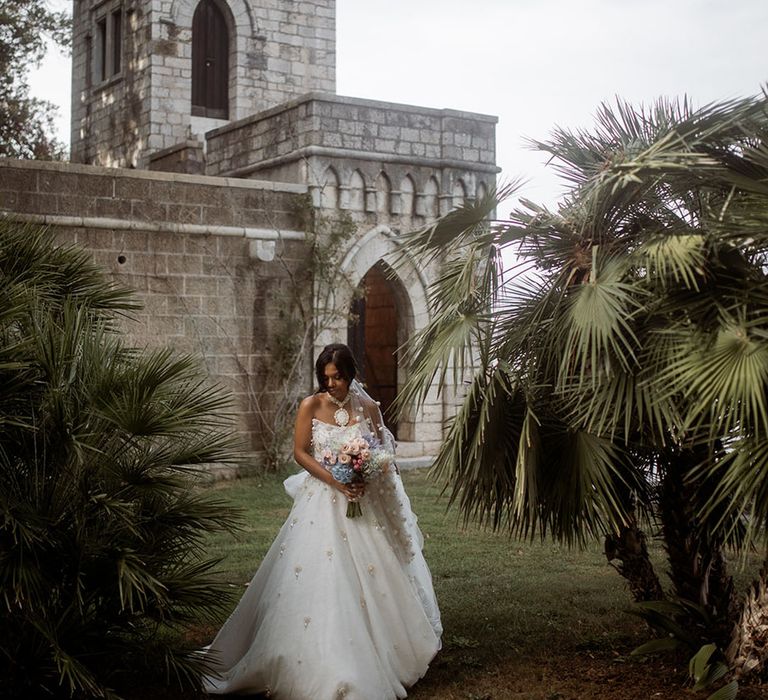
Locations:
(302, 450)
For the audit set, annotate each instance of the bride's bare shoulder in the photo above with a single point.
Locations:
(310, 405)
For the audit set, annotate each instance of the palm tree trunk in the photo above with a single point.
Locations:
(627, 552)
(697, 564)
(747, 653)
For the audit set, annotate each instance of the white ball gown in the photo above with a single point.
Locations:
(340, 607)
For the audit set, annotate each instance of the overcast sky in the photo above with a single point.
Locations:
(533, 63)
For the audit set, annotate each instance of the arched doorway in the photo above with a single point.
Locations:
(373, 336)
(419, 431)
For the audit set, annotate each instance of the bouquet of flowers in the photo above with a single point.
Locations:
(359, 459)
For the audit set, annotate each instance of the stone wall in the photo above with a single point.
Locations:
(277, 50)
(110, 117)
(345, 127)
(212, 259)
(185, 157)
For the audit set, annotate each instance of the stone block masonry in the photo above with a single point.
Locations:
(208, 257)
(378, 161)
(204, 252)
(345, 127)
(277, 51)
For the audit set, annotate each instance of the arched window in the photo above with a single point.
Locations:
(482, 191)
(407, 196)
(383, 193)
(356, 192)
(429, 199)
(459, 193)
(210, 62)
(330, 192)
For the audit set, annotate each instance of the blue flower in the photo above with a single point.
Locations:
(343, 473)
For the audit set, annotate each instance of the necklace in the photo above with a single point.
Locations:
(341, 416)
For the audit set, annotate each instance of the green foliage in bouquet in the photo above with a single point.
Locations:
(101, 528)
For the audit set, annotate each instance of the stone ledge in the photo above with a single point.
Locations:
(158, 176)
(250, 466)
(407, 450)
(406, 463)
(348, 153)
(355, 101)
(182, 145)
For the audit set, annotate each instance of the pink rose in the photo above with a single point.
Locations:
(344, 458)
(365, 455)
(329, 457)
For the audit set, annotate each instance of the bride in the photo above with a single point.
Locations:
(340, 607)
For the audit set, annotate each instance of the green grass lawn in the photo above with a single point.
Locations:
(515, 613)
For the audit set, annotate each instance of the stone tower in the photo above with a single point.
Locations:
(235, 102)
(149, 74)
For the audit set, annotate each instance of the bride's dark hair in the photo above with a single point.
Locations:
(339, 355)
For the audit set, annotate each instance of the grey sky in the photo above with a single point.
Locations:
(532, 63)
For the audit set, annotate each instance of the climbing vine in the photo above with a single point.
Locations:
(303, 314)
(277, 370)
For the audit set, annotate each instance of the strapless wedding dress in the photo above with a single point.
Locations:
(340, 607)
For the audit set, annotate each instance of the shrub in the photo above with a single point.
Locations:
(101, 564)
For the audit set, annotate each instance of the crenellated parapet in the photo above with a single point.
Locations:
(375, 158)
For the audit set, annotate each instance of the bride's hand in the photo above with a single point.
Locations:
(353, 491)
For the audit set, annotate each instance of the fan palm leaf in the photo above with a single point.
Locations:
(99, 517)
(625, 354)
(673, 260)
(720, 379)
(599, 325)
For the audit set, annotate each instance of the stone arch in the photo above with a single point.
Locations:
(356, 192)
(407, 196)
(329, 194)
(459, 195)
(377, 247)
(482, 190)
(383, 194)
(430, 199)
(182, 12)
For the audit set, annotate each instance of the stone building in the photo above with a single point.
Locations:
(206, 134)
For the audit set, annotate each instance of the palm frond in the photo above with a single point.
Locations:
(722, 380)
(99, 516)
(500, 460)
(674, 260)
(599, 325)
(461, 299)
(477, 457)
(624, 407)
(57, 274)
(468, 223)
(740, 496)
